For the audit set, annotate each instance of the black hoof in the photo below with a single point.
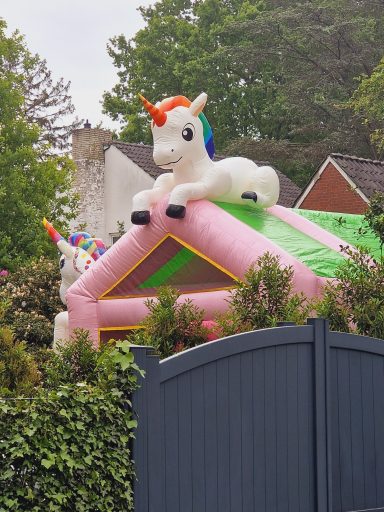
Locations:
(140, 217)
(175, 211)
(249, 195)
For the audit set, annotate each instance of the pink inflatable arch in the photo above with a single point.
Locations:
(108, 299)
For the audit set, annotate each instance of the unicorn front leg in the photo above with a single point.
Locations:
(211, 185)
(142, 201)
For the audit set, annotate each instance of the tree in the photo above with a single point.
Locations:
(319, 48)
(274, 70)
(368, 102)
(46, 103)
(183, 50)
(33, 184)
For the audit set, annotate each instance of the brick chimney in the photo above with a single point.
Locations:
(88, 155)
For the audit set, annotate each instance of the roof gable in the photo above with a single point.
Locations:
(363, 175)
(368, 175)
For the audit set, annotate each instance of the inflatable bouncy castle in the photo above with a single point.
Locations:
(199, 230)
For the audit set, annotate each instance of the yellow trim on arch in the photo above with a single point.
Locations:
(189, 292)
(124, 328)
(102, 296)
(184, 244)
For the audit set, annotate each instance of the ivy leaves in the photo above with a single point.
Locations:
(68, 448)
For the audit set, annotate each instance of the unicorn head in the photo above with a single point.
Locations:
(181, 132)
(77, 255)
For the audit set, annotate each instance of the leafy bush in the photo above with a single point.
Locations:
(171, 326)
(264, 298)
(68, 448)
(19, 374)
(356, 302)
(31, 299)
(375, 216)
(75, 361)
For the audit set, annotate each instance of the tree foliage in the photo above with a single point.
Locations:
(276, 71)
(181, 51)
(368, 102)
(46, 102)
(19, 374)
(33, 184)
(355, 302)
(374, 216)
(30, 296)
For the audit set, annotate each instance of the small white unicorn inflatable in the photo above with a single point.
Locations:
(77, 255)
(183, 142)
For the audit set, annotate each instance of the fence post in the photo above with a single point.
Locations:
(322, 414)
(146, 448)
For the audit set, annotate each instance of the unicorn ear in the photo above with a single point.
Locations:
(65, 248)
(198, 104)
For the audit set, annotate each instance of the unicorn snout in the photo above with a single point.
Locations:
(166, 158)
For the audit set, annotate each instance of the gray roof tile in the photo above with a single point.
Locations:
(141, 154)
(368, 175)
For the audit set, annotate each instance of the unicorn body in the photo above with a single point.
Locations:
(77, 255)
(183, 142)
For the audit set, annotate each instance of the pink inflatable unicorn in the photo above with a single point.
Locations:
(183, 142)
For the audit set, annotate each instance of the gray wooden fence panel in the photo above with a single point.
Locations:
(259, 444)
(278, 420)
(247, 425)
(185, 432)
(367, 393)
(357, 383)
(210, 430)
(223, 414)
(197, 441)
(234, 403)
(378, 395)
(306, 432)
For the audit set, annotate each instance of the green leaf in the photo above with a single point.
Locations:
(47, 463)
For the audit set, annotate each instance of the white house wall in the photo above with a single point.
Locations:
(122, 180)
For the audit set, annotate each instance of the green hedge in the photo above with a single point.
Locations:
(67, 449)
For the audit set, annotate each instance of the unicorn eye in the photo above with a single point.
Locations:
(62, 261)
(188, 132)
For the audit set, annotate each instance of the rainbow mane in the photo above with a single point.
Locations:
(94, 246)
(181, 101)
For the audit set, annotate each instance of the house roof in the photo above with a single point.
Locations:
(364, 175)
(368, 175)
(141, 154)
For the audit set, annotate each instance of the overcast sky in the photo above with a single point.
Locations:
(72, 36)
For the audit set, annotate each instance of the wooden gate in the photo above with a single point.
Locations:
(289, 419)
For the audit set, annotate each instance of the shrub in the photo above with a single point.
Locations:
(374, 216)
(264, 298)
(68, 448)
(356, 302)
(171, 326)
(74, 361)
(19, 374)
(31, 298)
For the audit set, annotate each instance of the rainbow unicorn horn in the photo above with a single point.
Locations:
(62, 244)
(55, 235)
(157, 115)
